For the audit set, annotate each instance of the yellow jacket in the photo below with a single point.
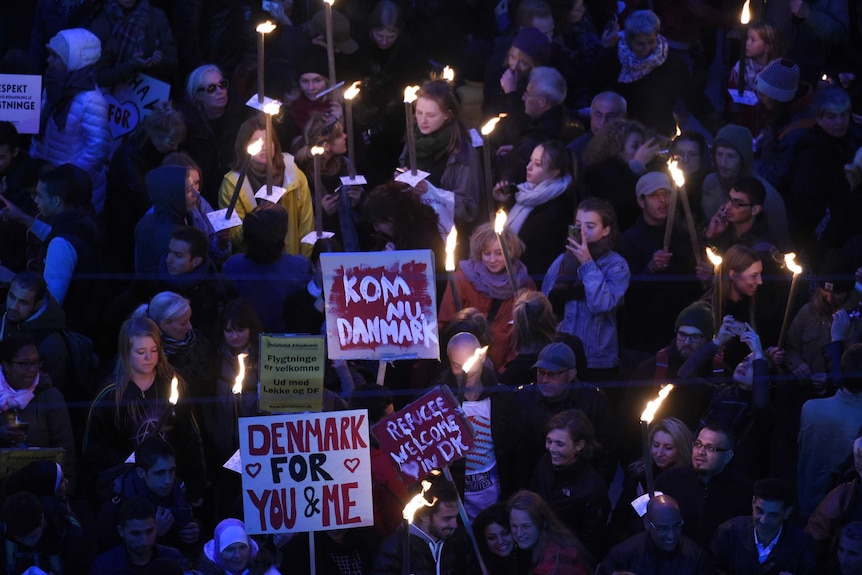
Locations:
(296, 201)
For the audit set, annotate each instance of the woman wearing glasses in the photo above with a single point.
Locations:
(211, 125)
(34, 413)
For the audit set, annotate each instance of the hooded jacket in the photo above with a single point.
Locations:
(166, 186)
(85, 139)
(714, 194)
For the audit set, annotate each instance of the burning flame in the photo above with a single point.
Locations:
(352, 91)
(330, 2)
(272, 108)
(317, 150)
(713, 257)
(237, 386)
(175, 392)
(417, 503)
(678, 132)
(745, 16)
(451, 242)
(255, 147)
(500, 221)
(265, 27)
(676, 173)
(824, 78)
(410, 94)
(448, 74)
(790, 263)
(491, 124)
(477, 355)
(653, 405)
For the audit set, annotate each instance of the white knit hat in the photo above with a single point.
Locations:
(779, 80)
(76, 47)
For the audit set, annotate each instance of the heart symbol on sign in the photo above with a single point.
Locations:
(122, 118)
(351, 464)
(253, 469)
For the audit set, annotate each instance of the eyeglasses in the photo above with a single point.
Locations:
(667, 528)
(692, 337)
(32, 364)
(686, 155)
(220, 85)
(710, 447)
(738, 204)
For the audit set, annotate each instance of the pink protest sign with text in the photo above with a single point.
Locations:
(428, 434)
(308, 472)
(380, 305)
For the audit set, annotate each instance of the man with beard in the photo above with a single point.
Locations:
(437, 543)
(733, 152)
(708, 493)
(662, 548)
(810, 330)
(693, 329)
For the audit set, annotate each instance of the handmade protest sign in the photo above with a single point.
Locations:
(380, 305)
(308, 472)
(132, 101)
(13, 459)
(428, 434)
(291, 373)
(21, 101)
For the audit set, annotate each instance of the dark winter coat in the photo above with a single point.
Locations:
(734, 550)
(167, 189)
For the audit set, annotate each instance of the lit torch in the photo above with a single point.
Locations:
(414, 505)
(717, 301)
(349, 94)
(173, 399)
(448, 74)
(451, 244)
(410, 93)
(646, 418)
(499, 228)
(796, 269)
(744, 19)
(486, 130)
(253, 149)
(316, 153)
(678, 178)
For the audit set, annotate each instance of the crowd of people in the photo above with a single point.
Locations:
(120, 291)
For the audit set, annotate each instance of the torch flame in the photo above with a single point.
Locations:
(417, 503)
(272, 108)
(237, 386)
(477, 355)
(265, 27)
(500, 221)
(745, 16)
(448, 74)
(451, 242)
(330, 2)
(175, 393)
(410, 94)
(491, 124)
(352, 91)
(790, 263)
(713, 257)
(317, 150)
(824, 78)
(255, 147)
(676, 173)
(653, 405)
(678, 132)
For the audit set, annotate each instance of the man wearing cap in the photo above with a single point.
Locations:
(733, 155)
(739, 220)
(810, 330)
(658, 291)
(557, 389)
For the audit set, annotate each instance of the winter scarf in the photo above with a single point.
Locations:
(530, 196)
(128, 28)
(634, 68)
(173, 347)
(494, 286)
(11, 398)
(431, 147)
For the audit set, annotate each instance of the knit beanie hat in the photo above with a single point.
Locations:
(739, 138)
(650, 182)
(779, 80)
(697, 315)
(534, 44)
(836, 275)
(314, 62)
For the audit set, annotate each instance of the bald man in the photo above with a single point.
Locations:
(488, 474)
(662, 548)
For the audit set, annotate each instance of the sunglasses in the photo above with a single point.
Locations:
(221, 85)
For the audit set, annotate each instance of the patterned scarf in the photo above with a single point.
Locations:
(494, 286)
(634, 68)
(128, 28)
(11, 398)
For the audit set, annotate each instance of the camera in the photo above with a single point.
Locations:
(575, 231)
